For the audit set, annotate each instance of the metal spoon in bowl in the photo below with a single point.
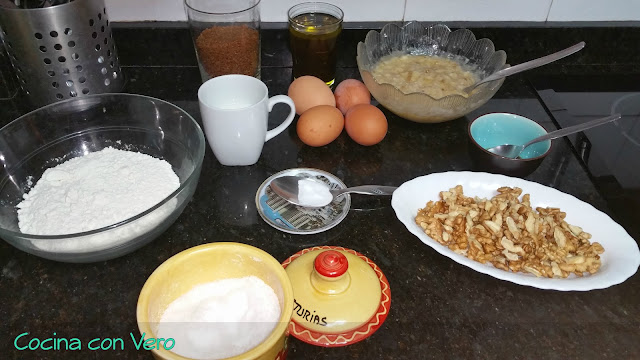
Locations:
(288, 188)
(528, 65)
(513, 151)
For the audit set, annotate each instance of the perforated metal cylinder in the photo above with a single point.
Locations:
(62, 51)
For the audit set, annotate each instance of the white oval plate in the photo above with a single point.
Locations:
(619, 261)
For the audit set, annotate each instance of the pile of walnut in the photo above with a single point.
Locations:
(509, 234)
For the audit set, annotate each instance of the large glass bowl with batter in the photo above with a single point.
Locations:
(437, 40)
(55, 133)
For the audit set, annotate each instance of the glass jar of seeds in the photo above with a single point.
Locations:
(226, 36)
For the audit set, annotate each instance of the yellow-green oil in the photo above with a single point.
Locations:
(313, 38)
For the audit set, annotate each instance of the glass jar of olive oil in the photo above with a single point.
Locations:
(313, 32)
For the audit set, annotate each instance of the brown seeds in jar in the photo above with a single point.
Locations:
(232, 49)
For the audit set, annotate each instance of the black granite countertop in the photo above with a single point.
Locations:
(439, 309)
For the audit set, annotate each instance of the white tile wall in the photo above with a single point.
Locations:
(270, 10)
(145, 10)
(594, 10)
(354, 10)
(477, 10)
(395, 10)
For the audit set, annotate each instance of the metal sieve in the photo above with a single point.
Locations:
(62, 51)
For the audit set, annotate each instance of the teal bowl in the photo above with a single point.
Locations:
(496, 129)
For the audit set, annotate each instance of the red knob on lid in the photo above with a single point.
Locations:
(331, 263)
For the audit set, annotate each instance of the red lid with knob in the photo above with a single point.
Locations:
(331, 263)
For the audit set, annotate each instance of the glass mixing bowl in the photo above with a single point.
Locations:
(437, 40)
(55, 133)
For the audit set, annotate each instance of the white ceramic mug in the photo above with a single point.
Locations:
(235, 111)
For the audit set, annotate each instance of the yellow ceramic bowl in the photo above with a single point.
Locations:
(207, 263)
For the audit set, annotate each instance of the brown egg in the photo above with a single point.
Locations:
(320, 125)
(366, 124)
(309, 91)
(351, 92)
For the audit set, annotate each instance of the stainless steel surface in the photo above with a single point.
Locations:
(63, 51)
(532, 64)
(287, 188)
(8, 81)
(8, 4)
(365, 190)
(513, 151)
(31, 4)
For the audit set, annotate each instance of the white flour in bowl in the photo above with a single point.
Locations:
(93, 191)
(221, 319)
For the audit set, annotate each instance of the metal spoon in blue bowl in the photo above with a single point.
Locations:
(513, 151)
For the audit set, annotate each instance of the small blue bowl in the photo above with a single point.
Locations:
(496, 129)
